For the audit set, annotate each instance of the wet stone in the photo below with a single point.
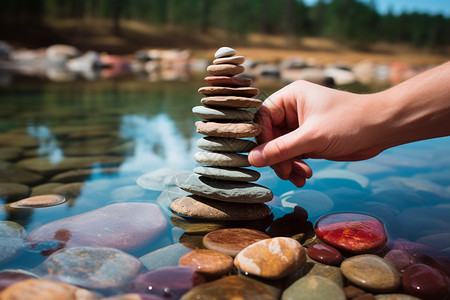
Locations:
(13, 191)
(124, 226)
(222, 159)
(352, 232)
(164, 257)
(271, 258)
(315, 202)
(228, 191)
(159, 179)
(228, 81)
(209, 113)
(97, 268)
(371, 272)
(11, 240)
(228, 91)
(236, 174)
(203, 208)
(235, 60)
(46, 188)
(230, 287)
(9, 277)
(221, 144)
(231, 101)
(9, 172)
(399, 259)
(39, 201)
(40, 289)
(325, 254)
(313, 288)
(225, 70)
(10, 153)
(207, 262)
(231, 241)
(167, 282)
(424, 282)
(228, 130)
(395, 297)
(224, 52)
(352, 291)
(314, 268)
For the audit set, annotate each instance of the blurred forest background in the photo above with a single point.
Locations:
(120, 26)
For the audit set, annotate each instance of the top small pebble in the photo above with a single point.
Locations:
(224, 52)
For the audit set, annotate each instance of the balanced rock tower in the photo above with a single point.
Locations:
(222, 188)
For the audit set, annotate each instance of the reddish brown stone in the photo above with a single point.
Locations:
(207, 262)
(231, 241)
(228, 91)
(325, 254)
(228, 81)
(231, 101)
(228, 130)
(225, 70)
(399, 259)
(271, 258)
(422, 281)
(352, 232)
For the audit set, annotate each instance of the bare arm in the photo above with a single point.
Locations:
(304, 120)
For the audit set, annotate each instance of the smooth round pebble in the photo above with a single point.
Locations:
(224, 52)
(209, 113)
(352, 232)
(231, 101)
(272, 258)
(235, 60)
(228, 91)
(315, 202)
(225, 70)
(229, 287)
(222, 144)
(207, 262)
(228, 191)
(236, 174)
(227, 81)
(314, 268)
(228, 130)
(399, 259)
(231, 241)
(424, 282)
(207, 209)
(313, 287)
(395, 297)
(371, 272)
(13, 191)
(325, 254)
(39, 201)
(220, 159)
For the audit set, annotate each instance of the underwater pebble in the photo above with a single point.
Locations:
(207, 262)
(39, 201)
(313, 288)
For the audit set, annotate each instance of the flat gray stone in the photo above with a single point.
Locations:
(228, 130)
(235, 60)
(236, 174)
(224, 52)
(222, 144)
(231, 101)
(220, 159)
(209, 113)
(228, 191)
(207, 209)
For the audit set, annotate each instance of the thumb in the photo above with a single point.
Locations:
(282, 148)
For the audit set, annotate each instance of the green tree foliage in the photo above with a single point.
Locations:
(353, 22)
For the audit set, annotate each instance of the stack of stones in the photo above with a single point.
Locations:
(222, 188)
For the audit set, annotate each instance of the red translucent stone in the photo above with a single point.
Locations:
(352, 232)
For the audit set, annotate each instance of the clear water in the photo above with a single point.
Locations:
(408, 187)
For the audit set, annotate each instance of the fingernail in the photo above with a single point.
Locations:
(256, 158)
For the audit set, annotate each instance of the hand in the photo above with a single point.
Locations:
(305, 120)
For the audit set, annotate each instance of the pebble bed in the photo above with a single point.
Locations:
(231, 238)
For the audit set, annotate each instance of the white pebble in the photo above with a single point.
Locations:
(224, 52)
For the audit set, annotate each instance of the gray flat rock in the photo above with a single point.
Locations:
(231, 101)
(228, 191)
(203, 208)
(220, 159)
(236, 174)
(228, 130)
(209, 113)
(223, 144)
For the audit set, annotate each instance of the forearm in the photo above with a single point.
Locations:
(416, 109)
